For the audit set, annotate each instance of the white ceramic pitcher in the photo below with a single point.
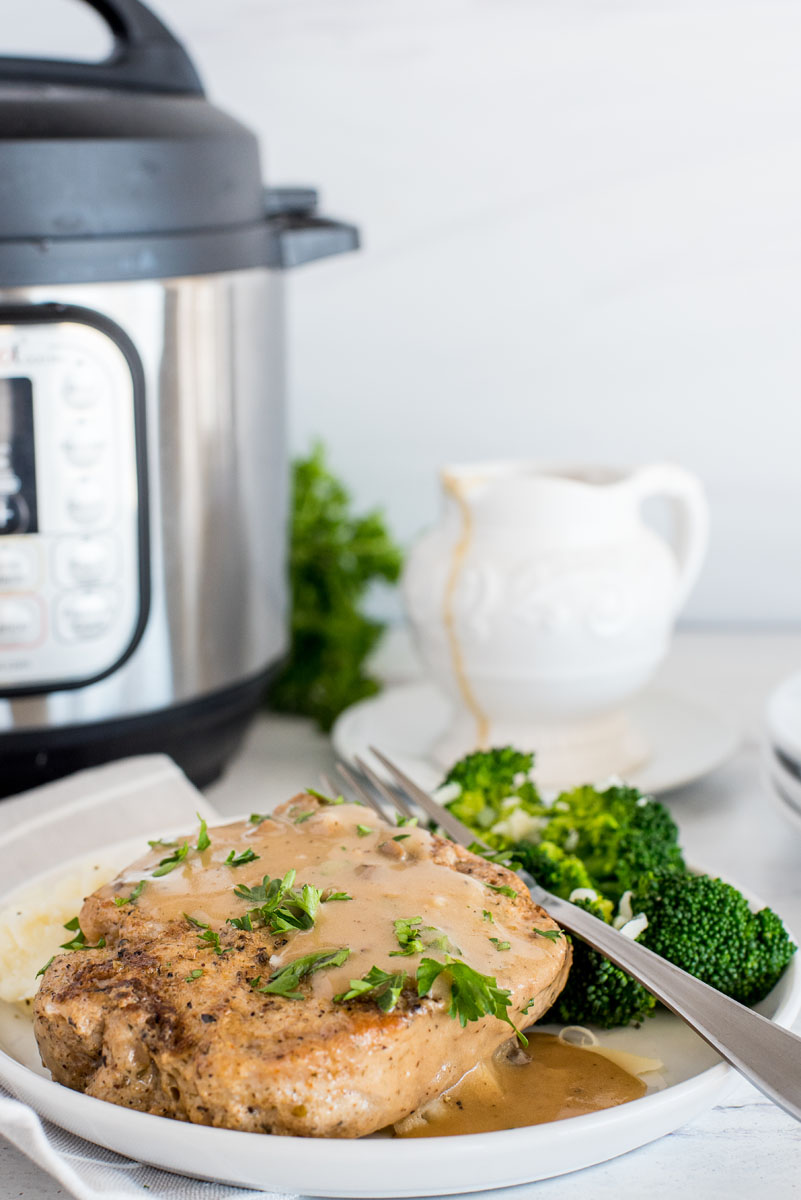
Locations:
(542, 602)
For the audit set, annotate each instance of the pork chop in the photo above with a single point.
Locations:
(168, 1013)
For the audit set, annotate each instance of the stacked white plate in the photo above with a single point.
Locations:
(783, 746)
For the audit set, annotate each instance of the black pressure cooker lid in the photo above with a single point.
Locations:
(122, 169)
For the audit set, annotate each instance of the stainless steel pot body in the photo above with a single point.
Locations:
(212, 608)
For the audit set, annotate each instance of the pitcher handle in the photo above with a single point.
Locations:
(686, 494)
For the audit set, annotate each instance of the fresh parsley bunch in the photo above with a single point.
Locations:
(334, 557)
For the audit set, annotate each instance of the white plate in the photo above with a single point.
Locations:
(693, 1078)
(686, 740)
(783, 717)
(785, 785)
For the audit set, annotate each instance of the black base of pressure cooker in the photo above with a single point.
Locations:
(200, 736)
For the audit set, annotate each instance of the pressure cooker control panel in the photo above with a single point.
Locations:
(72, 575)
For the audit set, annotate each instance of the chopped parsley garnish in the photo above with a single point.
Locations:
(499, 945)
(245, 922)
(79, 941)
(323, 798)
(336, 896)
(504, 889)
(278, 905)
(303, 817)
(203, 839)
(551, 934)
(160, 842)
(402, 820)
(212, 938)
(488, 916)
(363, 830)
(285, 981)
(382, 986)
(409, 932)
(528, 1005)
(239, 860)
(171, 861)
(265, 890)
(473, 995)
(257, 818)
(42, 970)
(198, 971)
(400, 837)
(134, 896)
(208, 937)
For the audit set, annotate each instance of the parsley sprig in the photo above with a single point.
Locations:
(504, 889)
(410, 933)
(473, 995)
(171, 861)
(279, 906)
(326, 799)
(285, 981)
(552, 935)
(382, 986)
(203, 839)
(134, 896)
(207, 937)
(239, 860)
(499, 945)
(79, 942)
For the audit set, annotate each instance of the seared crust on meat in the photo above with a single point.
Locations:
(129, 1024)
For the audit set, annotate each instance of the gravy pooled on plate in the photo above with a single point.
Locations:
(549, 1081)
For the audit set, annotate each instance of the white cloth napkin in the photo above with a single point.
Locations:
(57, 822)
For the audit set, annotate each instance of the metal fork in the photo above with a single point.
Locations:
(766, 1054)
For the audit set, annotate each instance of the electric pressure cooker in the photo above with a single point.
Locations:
(143, 478)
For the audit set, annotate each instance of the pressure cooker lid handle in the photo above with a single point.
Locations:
(145, 57)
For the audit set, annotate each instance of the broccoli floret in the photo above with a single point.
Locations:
(706, 926)
(616, 841)
(554, 870)
(618, 834)
(486, 779)
(597, 992)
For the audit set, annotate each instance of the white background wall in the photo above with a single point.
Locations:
(582, 240)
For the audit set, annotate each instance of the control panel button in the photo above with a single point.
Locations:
(14, 515)
(20, 621)
(83, 445)
(18, 566)
(81, 387)
(85, 614)
(10, 483)
(84, 560)
(86, 502)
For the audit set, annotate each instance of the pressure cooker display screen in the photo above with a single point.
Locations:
(17, 464)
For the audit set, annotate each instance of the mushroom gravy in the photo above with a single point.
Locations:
(386, 871)
(550, 1080)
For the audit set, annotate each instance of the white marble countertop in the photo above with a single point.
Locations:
(729, 822)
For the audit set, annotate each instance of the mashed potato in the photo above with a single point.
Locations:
(32, 919)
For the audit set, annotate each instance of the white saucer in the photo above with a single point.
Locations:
(687, 741)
